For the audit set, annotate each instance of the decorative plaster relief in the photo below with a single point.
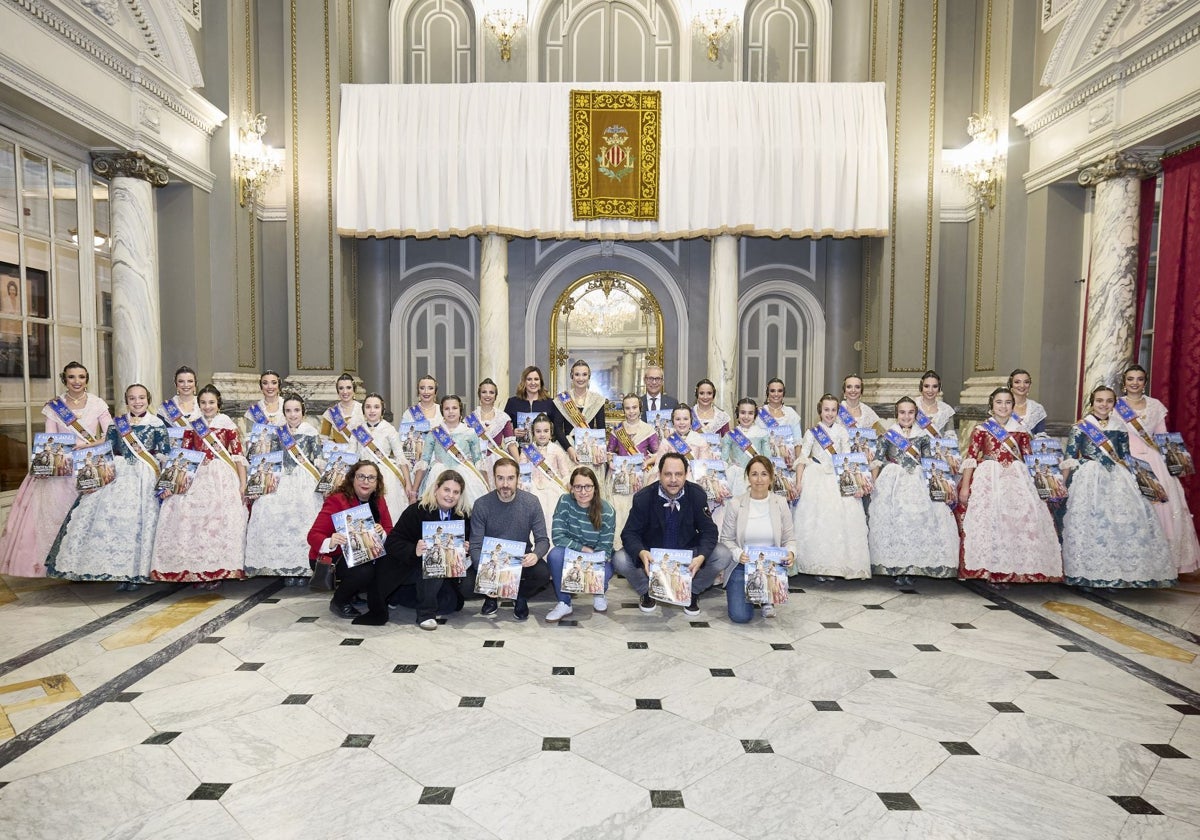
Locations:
(1100, 114)
(149, 116)
(106, 10)
(1153, 9)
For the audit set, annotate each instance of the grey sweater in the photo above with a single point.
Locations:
(515, 520)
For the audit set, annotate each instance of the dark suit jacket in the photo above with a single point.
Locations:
(665, 403)
(648, 518)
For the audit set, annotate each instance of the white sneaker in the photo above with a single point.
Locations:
(599, 603)
(768, 610)
(428, 624)
(560, 610)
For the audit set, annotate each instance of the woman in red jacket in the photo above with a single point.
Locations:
(363, 486)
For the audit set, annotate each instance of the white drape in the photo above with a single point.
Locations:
(737, 157)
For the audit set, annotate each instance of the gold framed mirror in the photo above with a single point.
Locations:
(614, 323)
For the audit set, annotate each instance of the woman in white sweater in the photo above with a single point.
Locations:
(758, 517)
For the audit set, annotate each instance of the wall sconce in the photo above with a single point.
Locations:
(503, 22)
(713, 23)
(980, 163)
(254, 163)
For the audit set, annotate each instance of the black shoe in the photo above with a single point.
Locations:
(521, 609)
(647, 604)
(344, 611)
(490, 606)
(694, 607)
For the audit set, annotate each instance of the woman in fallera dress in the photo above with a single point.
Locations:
(930, 404)
(400, 490)
(546, 489)
(109, 534)
(497, 426)
(271, 404)
(275, 536)
(683, 436)
(531, 398)
(1111, 537)
(774, 413)
(631, 436)
(1174, 515)
(184, 399)
(746, 414)
(1029, 413)
(831, 529)
(1008, 535)
(427, 407)
(201, 534)
(910, 535)
(863, 415)
(42, 503)
(437, 457)
(713, 420)
(350, 409)
(579, 407)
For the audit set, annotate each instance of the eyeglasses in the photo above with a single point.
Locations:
(369, 479)
(653, 378)
(583, 488)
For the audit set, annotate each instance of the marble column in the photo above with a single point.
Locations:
(627, 371)
(137, 331)
(1112, 285)
(493, 311)
(723, 320)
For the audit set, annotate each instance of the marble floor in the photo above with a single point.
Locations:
(860, 711)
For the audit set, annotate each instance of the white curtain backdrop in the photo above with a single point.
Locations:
(737, 157)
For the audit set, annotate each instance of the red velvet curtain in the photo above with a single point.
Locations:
(1175, 373)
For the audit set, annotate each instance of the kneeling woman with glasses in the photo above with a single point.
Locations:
(583, 524)
(361, 487)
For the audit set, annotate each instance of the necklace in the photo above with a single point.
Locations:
(77, 400)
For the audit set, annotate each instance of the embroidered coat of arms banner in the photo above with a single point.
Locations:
(615, 154)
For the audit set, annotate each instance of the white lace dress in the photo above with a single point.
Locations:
(277, 535)
(385, 436)
(831, 529)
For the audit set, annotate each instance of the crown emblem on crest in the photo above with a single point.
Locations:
(616, 159)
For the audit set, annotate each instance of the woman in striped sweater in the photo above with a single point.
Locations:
(583, 524)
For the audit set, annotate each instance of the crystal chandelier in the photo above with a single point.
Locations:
(254, 162)
(980, 163)
(503, 22)
(713, 20)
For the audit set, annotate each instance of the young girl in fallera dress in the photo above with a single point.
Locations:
(109, 534)
(910, 534)
(1173, 515)
(1111, 537)
(863, 415)
(644, 439)
(201, 534)
(1029, 413)
(184, 399)
(712, 419)
(350, 409)
(546, 489)
(779, 413)
(1008, 535)
(497, 426)
(682, 431)
(437, 457)
(276, 536)
(42, 503)
(831, 529)
(398, 490)
(732, 451)
(271, 404)
(427, 406)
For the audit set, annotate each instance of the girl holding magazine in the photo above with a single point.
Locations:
(427, 406)
(275, 535)
(632, 436)
(452, 445)
(745, 440)
(397, 489)
(347, 406)
(42, 503)
(546, 482)
(497, 426)
(184, 399)
(271, 404)
(202, 533)
(929, 403)
(109, 534)
(712, 419)
(853, 411)
(579, 407)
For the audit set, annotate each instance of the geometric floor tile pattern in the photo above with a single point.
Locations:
(858, 711)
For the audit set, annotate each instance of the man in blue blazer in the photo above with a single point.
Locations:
(671, 513)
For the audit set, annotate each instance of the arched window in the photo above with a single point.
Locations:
(438, 35)
(608, 41)
(433, 329)
(782, 332)
(779, 37)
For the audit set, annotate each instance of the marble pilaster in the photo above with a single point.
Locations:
(1112, 286)
(137, 333)
(493, 311)
(627, 365)
(723, 320)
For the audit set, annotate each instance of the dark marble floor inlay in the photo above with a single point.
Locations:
(126, 697)
(795, 590)
(1136, 805)
(436, 796)
(959, 748)
(1072, 648)
(296, 699)
(1184, 708)
(698, 623)
(872, 606)
(162, 738)
(757, 745)
(1041, 675)
(471, 702)
(666, 799)
(629, 605)
(404, 669)
(556, 745)
(721, 672)
(909, 592)
(781, 646)
(307, 619)
(493, 643)
(568, 622)
(210, 790)
(831, 625)
(1165, 751)
(826, 705)
(899, 801)
(648, 703)
(351, 642)
(211, 640)
(250, 666)
(994, 607)
(562, 671)
(964, 625)
(928, 648)
(1007, 708)
(637, 645)
(358, 741)
(271, 600)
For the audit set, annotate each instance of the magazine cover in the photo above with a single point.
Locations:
(710, 473)
(265, 470)
(785, 480)
(863, 440)
(363, 543)
(412, 438)
(93, 467)
(766, 574)
(853, 474)
(339, 458)
(1147, 481)
(1176, 454)
(713, 440)
(627, 474)
(782, 444)
(445, 549)
(583, 573)
(525, 477)
(1047, 476)
(178, 472)
(1039, 445)
(525, 421)
(263, 439)
(52, 454)
(661, 421)
(499, 568)
(945, 449)
(589, 446)
(943, 484)
(671, 575)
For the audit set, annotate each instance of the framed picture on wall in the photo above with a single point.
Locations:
(37, 296)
